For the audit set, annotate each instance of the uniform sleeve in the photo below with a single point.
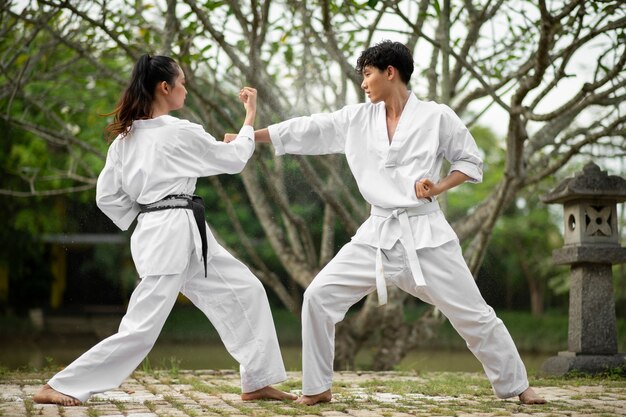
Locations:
(318, 134)
(110, 198)
(198, 154)
(459, 147)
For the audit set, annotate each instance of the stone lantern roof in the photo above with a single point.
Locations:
(591, 182)
(590, 199)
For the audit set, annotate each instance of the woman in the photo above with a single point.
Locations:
(150, 172)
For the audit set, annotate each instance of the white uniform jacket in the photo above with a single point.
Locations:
(386, 173)
(159, 157)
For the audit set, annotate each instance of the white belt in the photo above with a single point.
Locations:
(402, 214)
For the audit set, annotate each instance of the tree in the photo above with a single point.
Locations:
(554, 72)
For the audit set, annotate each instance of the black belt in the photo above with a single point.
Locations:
(183, 201)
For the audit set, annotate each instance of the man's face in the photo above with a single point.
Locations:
(375, 83)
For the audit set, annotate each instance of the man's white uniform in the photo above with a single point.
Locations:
(161, 157)
(406, 241)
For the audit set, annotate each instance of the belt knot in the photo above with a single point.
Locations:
(402, 214)
(187, 202)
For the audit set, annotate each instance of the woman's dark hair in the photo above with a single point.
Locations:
(387, 53)
(136, 101)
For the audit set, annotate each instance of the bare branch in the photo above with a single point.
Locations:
(339, 186)
(171, 27)
(345, 218)
(301, 239)
(558, 160)
(267, 276)
(54, 136)
(66, 5)
(48, 193)
(332, 47)
(468, 65)
(298, 270)
(251, 72)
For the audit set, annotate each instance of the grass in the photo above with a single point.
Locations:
(187, 324)
(150, 406)
(29, 407)
(437, 384)
(120, 406)
(273, 408)
(209, 388)
(532, 334)
(92, 412)
(196, 345)
(171, 364)
(615, 378)
(180, 406)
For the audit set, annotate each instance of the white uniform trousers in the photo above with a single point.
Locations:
(232, 298)
(449, 286)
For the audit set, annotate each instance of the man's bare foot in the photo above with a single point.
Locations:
(48, 395)
(268, 393)
(530, 397)
(323, 397)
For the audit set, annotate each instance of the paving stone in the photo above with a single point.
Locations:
(364, 413)
(357, 394)
(75, 412)
(10, 392)
(46, 410)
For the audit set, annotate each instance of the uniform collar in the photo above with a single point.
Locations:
(400, 135)
(155, 122)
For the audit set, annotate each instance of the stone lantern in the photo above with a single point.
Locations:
(591, 247)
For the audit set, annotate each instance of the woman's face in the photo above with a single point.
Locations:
(178, 92)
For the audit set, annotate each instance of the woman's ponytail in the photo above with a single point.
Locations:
(137, 98)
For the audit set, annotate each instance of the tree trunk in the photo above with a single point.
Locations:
(535, 287)
(353, 331)
(398, 337)
(392, 346)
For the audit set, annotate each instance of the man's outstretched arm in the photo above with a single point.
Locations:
(318, 134)
(261, 136)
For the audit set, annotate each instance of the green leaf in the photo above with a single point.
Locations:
(289, 55)
(437, 8)
(212, 5)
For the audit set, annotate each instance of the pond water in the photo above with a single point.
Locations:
(164, 355)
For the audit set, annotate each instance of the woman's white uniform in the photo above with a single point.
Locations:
(406, 241)
(160, 157)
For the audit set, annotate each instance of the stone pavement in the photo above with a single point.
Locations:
(180, 393)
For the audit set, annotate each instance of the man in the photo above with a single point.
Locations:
(395, 146)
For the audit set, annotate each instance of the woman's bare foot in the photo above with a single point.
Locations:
(268, 393)
(530, 397)
(48, 395)
(323, 397)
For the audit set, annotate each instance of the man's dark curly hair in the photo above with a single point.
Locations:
(387, 53)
